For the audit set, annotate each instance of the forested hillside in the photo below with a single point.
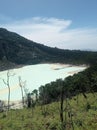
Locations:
(15, 49)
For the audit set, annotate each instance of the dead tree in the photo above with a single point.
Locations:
(60, 84)
(7, 83)
(61, 104)
(22, 84)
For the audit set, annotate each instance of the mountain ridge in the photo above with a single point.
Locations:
(11, 41)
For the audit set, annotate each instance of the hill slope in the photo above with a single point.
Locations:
(47, 117)
(15, 49)
(19, 50)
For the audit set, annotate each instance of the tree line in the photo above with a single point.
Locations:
(82, 82)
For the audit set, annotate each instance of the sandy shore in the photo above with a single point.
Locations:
(57, 66)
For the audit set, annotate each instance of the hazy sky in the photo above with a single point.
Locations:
(68, 24)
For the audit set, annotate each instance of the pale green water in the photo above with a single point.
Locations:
(35, 76)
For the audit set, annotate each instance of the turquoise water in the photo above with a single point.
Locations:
(34, 76)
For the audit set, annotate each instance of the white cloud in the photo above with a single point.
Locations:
(55, 32)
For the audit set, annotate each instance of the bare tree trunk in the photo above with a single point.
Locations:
(22, 96)
(61, 105)
(21, 86)
(8, 97)
(60, 83)
(70, 114)
(7, 83)
(66, 111)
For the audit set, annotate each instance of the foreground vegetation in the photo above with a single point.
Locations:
(79, 114)
(69, 104)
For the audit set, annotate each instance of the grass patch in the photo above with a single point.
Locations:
(84, 116)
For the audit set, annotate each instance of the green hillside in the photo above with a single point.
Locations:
(79, 114)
